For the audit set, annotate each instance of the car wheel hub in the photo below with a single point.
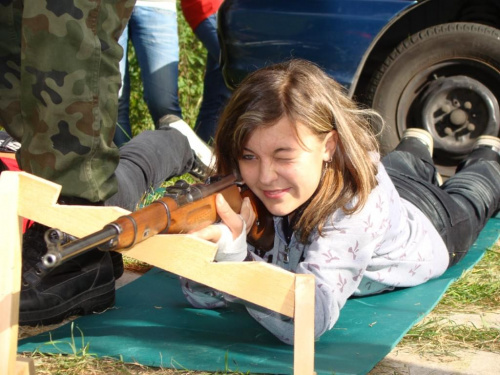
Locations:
(456, 110)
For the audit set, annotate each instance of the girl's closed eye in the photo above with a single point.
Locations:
(284, 159)
(286, 156)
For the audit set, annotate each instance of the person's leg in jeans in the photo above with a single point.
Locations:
(155, 38)
(153, 32)
(459, 208)
(148, 160)
(215, 92)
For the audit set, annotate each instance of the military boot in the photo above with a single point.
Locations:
(81, 285)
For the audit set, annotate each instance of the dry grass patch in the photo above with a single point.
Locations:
(445, 331)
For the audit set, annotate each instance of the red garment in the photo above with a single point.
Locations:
(10, 163)
(196, 11)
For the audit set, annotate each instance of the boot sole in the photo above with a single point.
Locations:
(95, 300)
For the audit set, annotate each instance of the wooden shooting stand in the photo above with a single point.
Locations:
(24, 195)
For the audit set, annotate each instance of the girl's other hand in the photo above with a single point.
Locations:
(230, 218)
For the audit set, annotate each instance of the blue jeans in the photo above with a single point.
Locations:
(460, 208)
(153, 33)
(148, 160)
(215, 92)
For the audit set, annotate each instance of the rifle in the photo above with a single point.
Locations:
(183, 208)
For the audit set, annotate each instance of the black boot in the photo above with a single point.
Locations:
(82, 285)
(117, 261)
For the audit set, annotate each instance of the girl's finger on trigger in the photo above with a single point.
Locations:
(247, 213)
(228, 216)
(244, 213)
(223, 208)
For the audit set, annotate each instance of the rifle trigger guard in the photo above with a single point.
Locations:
(165, 231)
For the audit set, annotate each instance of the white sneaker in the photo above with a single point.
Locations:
(488, 141)
(203, 151)
(422, 135)
(426, 138)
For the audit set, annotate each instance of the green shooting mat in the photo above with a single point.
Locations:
(154, 325)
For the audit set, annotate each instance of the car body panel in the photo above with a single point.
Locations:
(257, 33)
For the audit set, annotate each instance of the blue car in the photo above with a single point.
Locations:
(433, 64)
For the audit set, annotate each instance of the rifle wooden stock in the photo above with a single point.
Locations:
(187, 208)
(154, 218)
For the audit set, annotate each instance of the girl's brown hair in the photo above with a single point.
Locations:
(303, 93)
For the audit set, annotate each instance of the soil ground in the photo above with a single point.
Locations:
(465, 362)
(402, 361)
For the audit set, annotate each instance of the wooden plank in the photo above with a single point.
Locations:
(25, 366)
(257, 282)
(10, 271)
(39, 204)
(303, 359)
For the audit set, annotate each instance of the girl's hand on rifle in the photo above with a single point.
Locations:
(231, 233)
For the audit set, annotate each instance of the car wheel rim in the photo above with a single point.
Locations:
(457, 110)
(454, 108)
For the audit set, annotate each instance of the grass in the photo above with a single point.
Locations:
(476, 292)
(89, 364)
(83, 362)
(480, 287)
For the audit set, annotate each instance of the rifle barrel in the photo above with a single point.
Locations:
(73, 248)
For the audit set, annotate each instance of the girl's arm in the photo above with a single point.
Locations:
(230, 236)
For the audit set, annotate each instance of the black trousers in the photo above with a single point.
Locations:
(460, 208)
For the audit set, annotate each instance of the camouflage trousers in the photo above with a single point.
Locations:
(59, 82)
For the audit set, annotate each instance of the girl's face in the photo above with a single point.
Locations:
(280, 169)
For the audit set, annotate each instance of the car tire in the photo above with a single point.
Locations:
(445, 79)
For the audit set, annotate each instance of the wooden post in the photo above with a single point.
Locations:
(25, 366)
(34, 198)
(304, 325)
(10, 280)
